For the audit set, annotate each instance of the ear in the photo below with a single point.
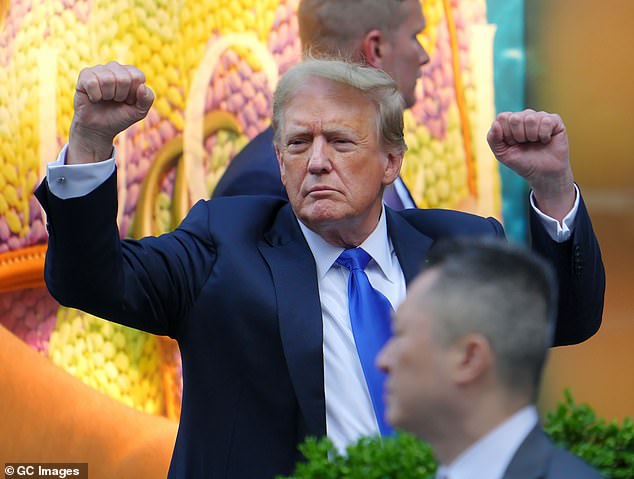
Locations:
(280, 163)
(372, 48)
(393, 167)
(472, 359)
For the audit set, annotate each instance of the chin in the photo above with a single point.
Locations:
(392, 417)
(323, 211)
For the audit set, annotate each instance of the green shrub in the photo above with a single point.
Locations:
(402, 457)
(608, 447)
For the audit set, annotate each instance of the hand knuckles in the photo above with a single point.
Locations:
(531, 120)
(86, 72)
(89, 81)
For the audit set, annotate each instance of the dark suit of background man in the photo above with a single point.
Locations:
(465, 362)
(380, 33)
(250, 287)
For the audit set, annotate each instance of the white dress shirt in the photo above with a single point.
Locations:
(349, 410)
(491, 455)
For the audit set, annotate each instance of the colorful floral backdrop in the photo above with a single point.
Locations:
(213, 65)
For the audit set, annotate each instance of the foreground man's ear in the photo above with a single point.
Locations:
(472, 359)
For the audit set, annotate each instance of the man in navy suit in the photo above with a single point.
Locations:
(253, 289)
(383, 35)
(465, 362)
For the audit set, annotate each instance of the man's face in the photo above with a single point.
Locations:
(404, 55)
(418, 387)
(331, 161)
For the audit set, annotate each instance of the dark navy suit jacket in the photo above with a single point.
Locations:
(539, 458)
(236, 285)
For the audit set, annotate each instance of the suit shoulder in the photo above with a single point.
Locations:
(565, 464)
(438, 223)
(234, 216)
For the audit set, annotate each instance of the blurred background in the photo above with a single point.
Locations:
(579, 65)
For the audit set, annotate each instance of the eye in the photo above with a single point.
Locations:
(343, 144)
(296, 145)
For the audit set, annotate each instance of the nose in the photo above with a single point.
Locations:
(319, 161)
(423, 56)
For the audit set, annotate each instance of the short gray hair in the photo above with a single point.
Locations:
(375, 85)
(336, 27)
(503, 292)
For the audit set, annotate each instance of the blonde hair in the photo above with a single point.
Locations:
(375, 85)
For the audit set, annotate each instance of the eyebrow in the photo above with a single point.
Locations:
(328, 132)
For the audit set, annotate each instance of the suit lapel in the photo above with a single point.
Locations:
(299, 312)
(410, 245)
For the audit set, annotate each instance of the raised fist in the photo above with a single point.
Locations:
(108, 99)
(535, 146)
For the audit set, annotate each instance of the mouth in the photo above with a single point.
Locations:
(321, 190)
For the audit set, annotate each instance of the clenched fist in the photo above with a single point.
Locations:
(108, 99)
(535, 146)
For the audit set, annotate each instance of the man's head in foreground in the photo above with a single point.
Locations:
(339, 141)
(470, 342)
(380, 33)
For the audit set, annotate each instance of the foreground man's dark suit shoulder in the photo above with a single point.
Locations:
(236, 285)
(539, 458)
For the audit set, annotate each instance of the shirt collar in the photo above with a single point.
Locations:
(491, 454)
(378, 245)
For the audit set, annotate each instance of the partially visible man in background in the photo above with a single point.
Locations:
(465, 362)
(380, 33)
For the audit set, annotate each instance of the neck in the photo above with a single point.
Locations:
(348, 233)
(478, 418)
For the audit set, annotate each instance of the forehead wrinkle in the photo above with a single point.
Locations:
(326, 122)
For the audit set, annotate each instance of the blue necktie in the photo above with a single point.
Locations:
(370, 314)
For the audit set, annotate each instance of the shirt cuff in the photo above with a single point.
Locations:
(559, 232)
(73, 181)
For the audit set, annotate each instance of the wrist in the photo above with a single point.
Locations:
(87, 146)
(555, 200)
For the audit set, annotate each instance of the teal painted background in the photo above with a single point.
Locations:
(510, 79)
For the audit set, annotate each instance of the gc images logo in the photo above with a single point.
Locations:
(36, 471)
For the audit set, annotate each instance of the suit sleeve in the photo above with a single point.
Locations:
(580, 274)
(145, 284)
